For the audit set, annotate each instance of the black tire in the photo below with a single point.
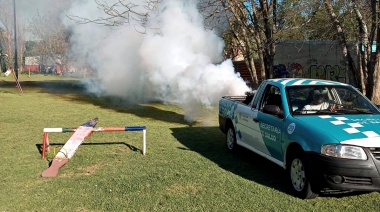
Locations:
(299, 177)
(231, 139)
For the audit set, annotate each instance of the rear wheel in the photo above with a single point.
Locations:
(231, 139)
(299, 176)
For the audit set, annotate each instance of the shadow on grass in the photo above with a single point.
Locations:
(210, 143)
(131, 147)
(51, 87)
(8, 85)
(3, 91)
(76, 91)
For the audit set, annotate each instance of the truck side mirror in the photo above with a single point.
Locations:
(273, 110)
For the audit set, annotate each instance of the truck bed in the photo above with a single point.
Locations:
(235, 98)
(240, 99)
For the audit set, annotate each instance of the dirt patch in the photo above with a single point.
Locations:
(86, 171)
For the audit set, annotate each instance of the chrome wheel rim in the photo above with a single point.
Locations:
(230, 139)
(297, 174)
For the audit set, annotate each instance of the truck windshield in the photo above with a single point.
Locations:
(328, 99)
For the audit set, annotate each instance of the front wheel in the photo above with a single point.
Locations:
(299, 176)
(231, 139)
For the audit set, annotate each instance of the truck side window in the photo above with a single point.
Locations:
(248, 98)
(271, 96)
(257, 96)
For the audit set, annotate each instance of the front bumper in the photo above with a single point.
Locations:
(222, 123)
(345, 174)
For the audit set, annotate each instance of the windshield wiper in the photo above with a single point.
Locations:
(317, 112)
(329, 112)
(350, 111)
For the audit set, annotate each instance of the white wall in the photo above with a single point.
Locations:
(313, 59)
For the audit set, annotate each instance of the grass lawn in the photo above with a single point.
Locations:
(186, 168)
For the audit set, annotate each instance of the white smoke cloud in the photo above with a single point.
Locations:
(176, 61)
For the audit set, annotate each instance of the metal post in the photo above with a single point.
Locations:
(15, 37)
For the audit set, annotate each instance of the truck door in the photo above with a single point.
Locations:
(244, 134)
(246, 126)
(266, 128)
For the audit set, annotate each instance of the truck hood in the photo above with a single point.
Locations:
(360, 130)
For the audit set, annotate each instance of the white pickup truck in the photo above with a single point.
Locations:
(326, 134)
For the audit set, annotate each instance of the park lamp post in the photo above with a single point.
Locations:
(15, 37)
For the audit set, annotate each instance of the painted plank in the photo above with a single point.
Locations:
(70, 147)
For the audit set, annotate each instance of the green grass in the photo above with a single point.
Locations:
(186, 168)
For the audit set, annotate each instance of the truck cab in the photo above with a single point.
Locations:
(325, 134)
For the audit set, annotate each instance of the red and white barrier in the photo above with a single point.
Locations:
(46, 131)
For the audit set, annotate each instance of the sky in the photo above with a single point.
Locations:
(177, 61)
(26, 9)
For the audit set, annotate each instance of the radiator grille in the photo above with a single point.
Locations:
(375, 151)
(358, 180)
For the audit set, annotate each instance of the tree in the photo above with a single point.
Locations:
(374, 74)
(51, 39)
(252, 25)
(129, 13)
(7, 34)
(342, 41)
(243, 31)
(344, 21)
(364, 74)
(255, 26)
(303, 20)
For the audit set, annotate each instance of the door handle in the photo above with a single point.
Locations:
(255, 120)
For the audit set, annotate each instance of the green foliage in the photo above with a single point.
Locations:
(290, 20)
(309, 20)
(186, 168)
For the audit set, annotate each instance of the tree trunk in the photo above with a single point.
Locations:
(250, 61)
(374, 77)
(364, 59)
(244, 37)
(260, 52)
(268, 31)
(343, 43)
(360, 59)
(259, 43)
(375, 97)
(251, 65)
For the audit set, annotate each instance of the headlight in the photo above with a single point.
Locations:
(343, 151)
